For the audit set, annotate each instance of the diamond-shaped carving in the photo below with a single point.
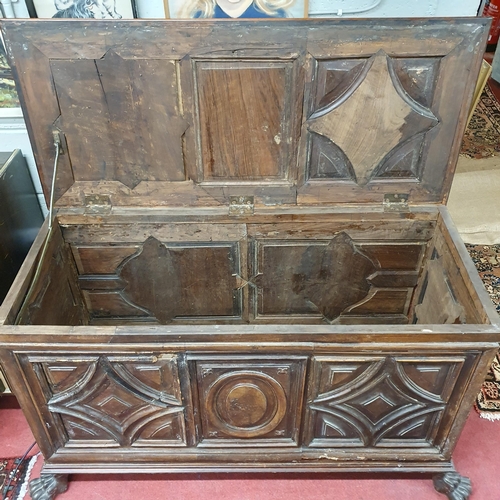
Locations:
(380, 401)
(113, 405)
(110, 402)
(387, 118)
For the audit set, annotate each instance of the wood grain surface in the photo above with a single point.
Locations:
(324, 331)
(191, 113)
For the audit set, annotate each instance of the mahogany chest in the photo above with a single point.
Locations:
(249, 265)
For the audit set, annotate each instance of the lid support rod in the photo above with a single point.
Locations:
(57, 145)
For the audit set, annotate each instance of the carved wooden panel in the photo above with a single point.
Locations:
(95, 259)
(127, 111)
(188, 275)
(244, 119)
(181, 281)
(110, 401)
(301, 277)
(55, 298)
(379, 401)
(249, 401)
(151, 108)
(388, 120)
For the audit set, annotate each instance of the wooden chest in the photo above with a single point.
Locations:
(250, 266)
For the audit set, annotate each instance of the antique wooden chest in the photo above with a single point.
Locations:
(249, 266)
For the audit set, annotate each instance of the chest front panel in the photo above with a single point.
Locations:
(303, 403)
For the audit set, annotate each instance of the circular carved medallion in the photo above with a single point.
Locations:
(246, 404)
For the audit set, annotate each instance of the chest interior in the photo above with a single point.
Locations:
(322, 268)
(231, 173)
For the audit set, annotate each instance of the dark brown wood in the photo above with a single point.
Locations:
(48, 486)
(319, 327)
(453, 485)
(254, 93)
(192, 120)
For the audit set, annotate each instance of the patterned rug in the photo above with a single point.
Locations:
(14, 483)
(487, 261)
(482, 137)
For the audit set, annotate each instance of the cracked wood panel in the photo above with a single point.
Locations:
(136, 49)
(121, 119)
(382, 118)
(381, 401)
(105, 402)
(336, 80)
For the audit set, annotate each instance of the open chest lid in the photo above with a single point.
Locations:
(204, 113)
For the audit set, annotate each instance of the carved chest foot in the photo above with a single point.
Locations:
(48, 486)
(453, 485)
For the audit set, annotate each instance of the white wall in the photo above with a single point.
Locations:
(14, 8)
(150, 8)
(393, 8)
(348, 8)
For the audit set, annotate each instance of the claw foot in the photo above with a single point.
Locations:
(453, 485)
(48, 486)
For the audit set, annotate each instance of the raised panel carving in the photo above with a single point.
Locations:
(244, 119)
(328, 161)
(309, 277)
(437, 303)
(101, 259)
(389, 117)
(111, 303)
(249, 401)
(203, 280)
(418, 76)
(379, 401)
(102, 401)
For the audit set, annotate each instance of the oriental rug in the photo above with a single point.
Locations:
(487, 261)
(14, 477)
(482, 137)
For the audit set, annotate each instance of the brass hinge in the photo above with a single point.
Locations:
(97, 204)
(241, 205)
(396, 203)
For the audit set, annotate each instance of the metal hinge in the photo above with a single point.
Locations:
(396, 203)
(98, 204)
(241, 205)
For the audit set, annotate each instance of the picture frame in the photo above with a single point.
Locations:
(90, 9)
(186, 9)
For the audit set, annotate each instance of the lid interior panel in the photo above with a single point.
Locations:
(190, 113)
